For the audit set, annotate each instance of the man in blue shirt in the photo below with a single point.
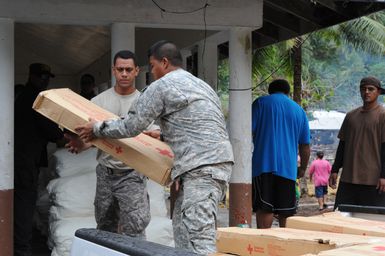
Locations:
(280, 129)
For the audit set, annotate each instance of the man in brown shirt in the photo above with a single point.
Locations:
(361, 151)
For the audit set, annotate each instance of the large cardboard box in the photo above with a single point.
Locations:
(284, 241)
(145, 154)
(377, 249)
(336, 222)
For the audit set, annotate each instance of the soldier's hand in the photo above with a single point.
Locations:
(381, 185)
(154, 133)
(333, 180)
(177, 185)
(86, 131)
(75, 144)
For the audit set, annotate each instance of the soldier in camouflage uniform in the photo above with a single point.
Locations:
(192, 123)
(121, 200)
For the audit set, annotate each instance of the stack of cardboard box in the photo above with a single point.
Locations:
(336, 222)
(377, 249)
(285, 241)
(329, 234)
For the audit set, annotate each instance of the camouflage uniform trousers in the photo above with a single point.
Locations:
(122, 203)
(195, 211)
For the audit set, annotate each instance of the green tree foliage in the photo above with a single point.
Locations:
(333, 62)
(224, 84)
(270, 63)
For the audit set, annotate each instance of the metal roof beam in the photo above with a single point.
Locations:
(281, 19)
(296, 8)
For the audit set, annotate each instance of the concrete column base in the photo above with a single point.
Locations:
(240, 211)
(6, 222)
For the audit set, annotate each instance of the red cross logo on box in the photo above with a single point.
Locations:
(119, 150)
(165, 152)
(379, 248)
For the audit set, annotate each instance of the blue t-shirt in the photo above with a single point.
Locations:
(279, 124)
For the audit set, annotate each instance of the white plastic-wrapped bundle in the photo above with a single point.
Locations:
(72, 196)
(66, 164)
(62, 233)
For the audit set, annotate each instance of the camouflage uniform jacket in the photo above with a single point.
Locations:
(190, 117)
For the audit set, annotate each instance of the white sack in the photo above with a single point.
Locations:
(63, 231)
(67, 164)
(72, 196)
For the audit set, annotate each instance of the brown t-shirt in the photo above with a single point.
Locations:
(363, 132)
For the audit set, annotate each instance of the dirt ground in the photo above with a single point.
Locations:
(308, 205)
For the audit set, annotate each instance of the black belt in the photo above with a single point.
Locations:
(111, 171)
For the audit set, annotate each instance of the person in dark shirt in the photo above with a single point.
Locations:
(32, 133)
(361, 151)
(87, 85)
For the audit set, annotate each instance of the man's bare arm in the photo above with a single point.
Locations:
(304, 153)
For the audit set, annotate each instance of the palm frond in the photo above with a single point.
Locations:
(365, 34)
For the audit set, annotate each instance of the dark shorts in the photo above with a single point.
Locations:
(356, 194)
(274, 194)
(320, 191)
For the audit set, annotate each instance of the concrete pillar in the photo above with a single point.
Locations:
(122, 38)
(240, 55)
(208, 62)
(6, 136)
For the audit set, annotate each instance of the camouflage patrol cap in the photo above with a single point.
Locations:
(40, 69)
